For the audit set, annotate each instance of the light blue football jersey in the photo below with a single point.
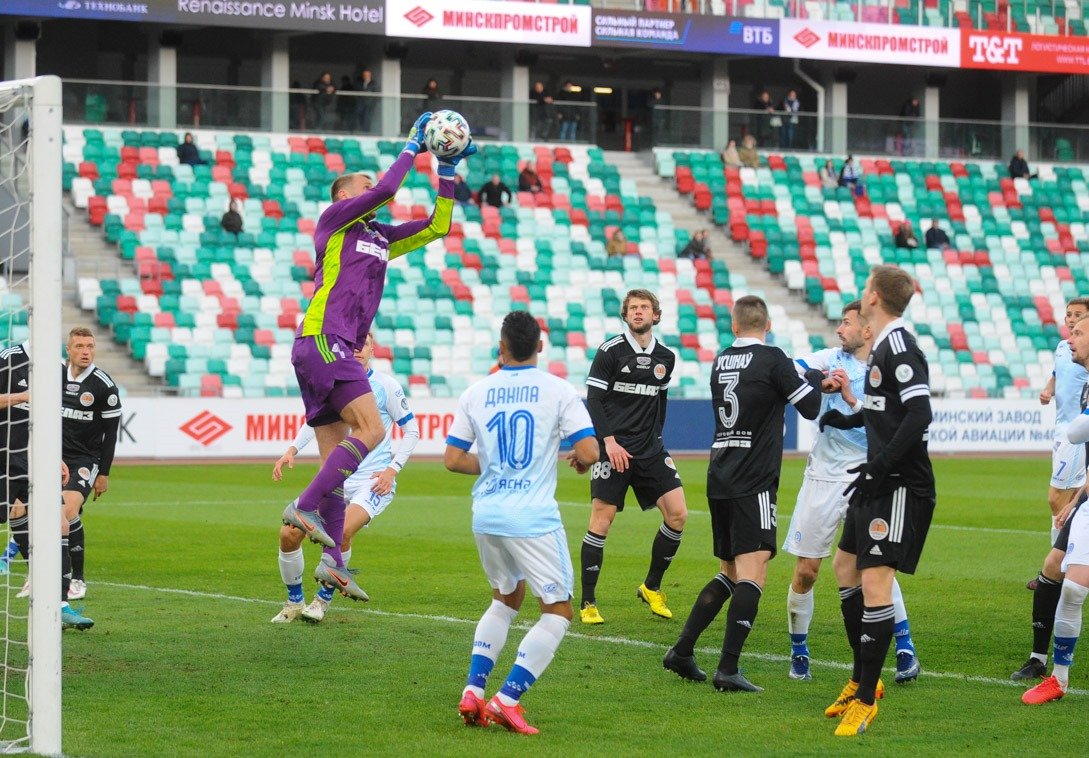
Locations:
(837, 450)
(516, 417)
(1070, 378)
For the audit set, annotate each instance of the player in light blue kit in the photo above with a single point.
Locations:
(1065, 386)
(517, 417)
(822, 505)
(368, 491)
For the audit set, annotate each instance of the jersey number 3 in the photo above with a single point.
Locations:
(729, 381)
(515, 438)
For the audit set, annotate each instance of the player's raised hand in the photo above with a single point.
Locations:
(287, 459)
(618, 456)
(447, 165)
(416, 134)
(1045, 396)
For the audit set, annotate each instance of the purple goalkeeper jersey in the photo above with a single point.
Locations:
(352, 254)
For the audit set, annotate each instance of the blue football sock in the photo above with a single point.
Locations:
(325, 593)
(295, 593)
(480, 668)
(799, 644)
(11, 551)
(518, 682)
(901, 632)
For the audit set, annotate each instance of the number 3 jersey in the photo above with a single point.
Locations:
(517, 417)
(751, 383)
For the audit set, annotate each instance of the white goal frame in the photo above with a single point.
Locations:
(44, 315)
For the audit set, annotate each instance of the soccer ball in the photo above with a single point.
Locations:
(446, 134)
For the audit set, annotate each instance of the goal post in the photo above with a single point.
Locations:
(30, 201)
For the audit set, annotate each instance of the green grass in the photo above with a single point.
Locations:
(183, 659)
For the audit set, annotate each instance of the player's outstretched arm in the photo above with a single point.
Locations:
(1078, 429)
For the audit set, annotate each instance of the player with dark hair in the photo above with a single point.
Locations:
(91, 410)
(751, 385)
(822, 505)
(14, 470)
(516, 417)
(892, 497)
(626, 396)
(353, 251)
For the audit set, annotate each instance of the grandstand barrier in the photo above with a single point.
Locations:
(262, 428)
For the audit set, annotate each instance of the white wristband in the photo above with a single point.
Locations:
(857, 406)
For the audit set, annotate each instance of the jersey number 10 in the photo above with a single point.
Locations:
(515, 438)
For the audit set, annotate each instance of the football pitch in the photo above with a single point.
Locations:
(183, 580)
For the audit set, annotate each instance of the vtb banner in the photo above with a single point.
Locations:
(685, 32)
(1008, 51)
(490, 21)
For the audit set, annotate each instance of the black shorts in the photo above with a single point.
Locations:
(649, 478)
(743, 525)
(82, 473)
(1062, 541)
(888, 530)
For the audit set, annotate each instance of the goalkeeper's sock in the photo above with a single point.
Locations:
(341, 463)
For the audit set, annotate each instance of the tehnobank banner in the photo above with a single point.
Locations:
(1009, 51)
(686, 33)
(490, 21)
(869, 43)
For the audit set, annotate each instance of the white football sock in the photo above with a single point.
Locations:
(799, 611)
(1068, 621)
(491, 635)
(898, 608)
(539, 647)
(347, 556)
(292, 566)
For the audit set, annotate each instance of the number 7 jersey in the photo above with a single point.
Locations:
(517, 417)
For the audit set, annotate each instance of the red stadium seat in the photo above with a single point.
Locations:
(165, 319)
(211, 385)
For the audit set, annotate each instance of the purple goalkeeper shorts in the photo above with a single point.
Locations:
(329, 377)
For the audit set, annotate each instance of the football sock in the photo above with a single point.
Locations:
(534, 654)
(332, 511)
(66, 570)
(341, 463)
(739, 620)
(292, 566)
(1067, 628)
(901, 630)
(75, 547)
(593, 555)
(799, 616)
(11, 551)
(707, 606)
(488, 641)
(20, 535)
(347, 556)
(874, 644)
(1045, 600)
(666, 543)
(325, 592)
(850, 605)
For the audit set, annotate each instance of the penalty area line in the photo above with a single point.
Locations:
(607, 639)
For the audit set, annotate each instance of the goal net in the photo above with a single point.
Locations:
(30, 448)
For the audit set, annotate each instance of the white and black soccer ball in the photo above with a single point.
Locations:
(447, 133)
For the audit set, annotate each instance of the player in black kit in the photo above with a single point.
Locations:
(893, 496)
(92, 414)
(751, 385)
(626, 397)
(14, 469)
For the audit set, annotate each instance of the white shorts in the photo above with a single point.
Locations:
(1067, 463)
(816, 519)
(359, 493)
(1077, 547)
(543, 562)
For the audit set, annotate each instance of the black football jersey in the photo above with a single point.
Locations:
(897, 373)
(751, 384)
(15, 419)
(626, 392)
(91, 411)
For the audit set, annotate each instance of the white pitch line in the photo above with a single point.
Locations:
(625, 641)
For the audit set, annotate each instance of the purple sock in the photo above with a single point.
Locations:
(340, 464)
(332, 510)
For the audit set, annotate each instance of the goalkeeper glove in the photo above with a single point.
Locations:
(448, 166)
(416, 134)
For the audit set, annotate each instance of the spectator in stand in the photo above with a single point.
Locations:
(462, 193)
(323, 102)
(188, 152)
(936, 238)
(910, 111)
(432, 95)
(528, 181)
(569, 115)
(345, 104)
(850, 176)
(905, 236)
(748, 155)
(729, 155)
(657, 116)
(1019, 168)
(232, 219)
(697, 247)
(791, 106)
(617, 244)
(542, 111)
(364, 106)
(829, 177)
(493, 192)
(765, 119)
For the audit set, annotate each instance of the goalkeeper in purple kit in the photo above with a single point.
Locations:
(353, 251)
